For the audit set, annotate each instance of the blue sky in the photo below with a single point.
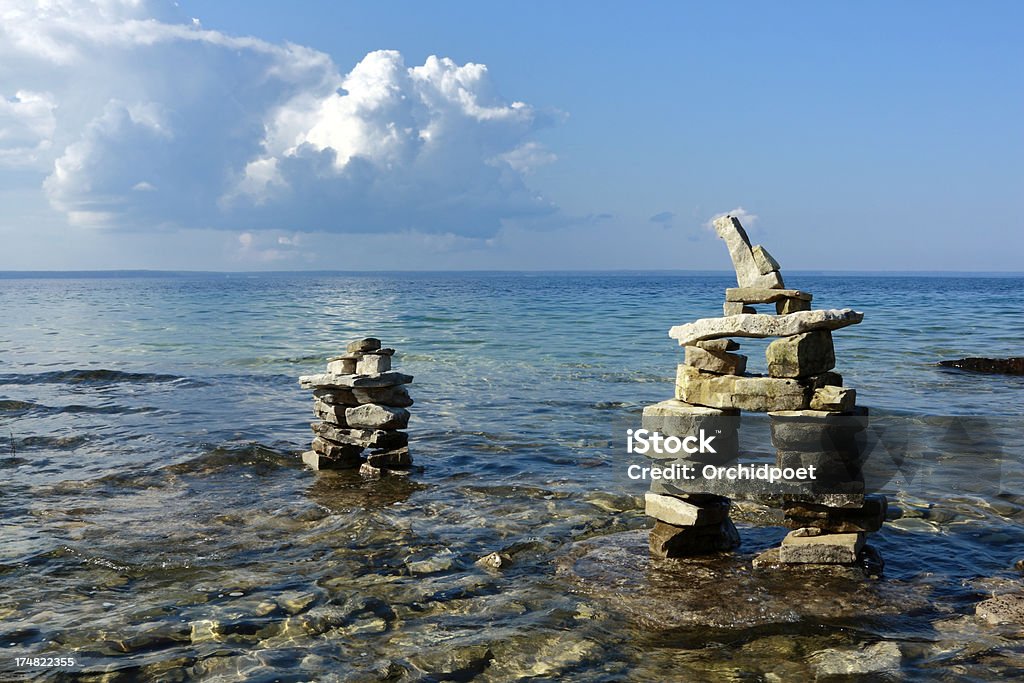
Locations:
(853, 136)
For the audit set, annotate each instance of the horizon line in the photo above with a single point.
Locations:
(153, 272)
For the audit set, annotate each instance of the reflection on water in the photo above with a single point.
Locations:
(156, 522)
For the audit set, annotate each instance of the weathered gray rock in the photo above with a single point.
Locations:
(396, 458)
(760, 394)
(371, 472)
(835, 399)
(330, 381)
(765, 263)
(680, 419)
(667, 540)
(735, 308)
(825, 379)
(328, 412)
(866, 518)
(755, 295)
(316, 461)
(812, 546)
(367, 344)
(818, 430)
(1007, 608)
(718, 345)
(1008, 366)
(372, 363)
(720, 362)
(870, 662)
(678, 512)
(787, 306)
(801, 355)
(761, 325)
(396, 396)
(336, 396)
(365, 438)
(494, 560)
(748, 274)
(342, 366)
(373, 416)
(336, 451)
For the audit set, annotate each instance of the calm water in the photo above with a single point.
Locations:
(157, 524)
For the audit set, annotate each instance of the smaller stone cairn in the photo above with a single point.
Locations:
(814, 421)
(361, 404)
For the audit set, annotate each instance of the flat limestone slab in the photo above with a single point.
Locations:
(812, 546)
(328, 380)
(758, 394)
(762, 325)
(757, 295)
(679, 512)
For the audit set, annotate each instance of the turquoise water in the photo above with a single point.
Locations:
(154, 511)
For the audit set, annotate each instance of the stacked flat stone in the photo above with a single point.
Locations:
(814, 420)
(361, 404)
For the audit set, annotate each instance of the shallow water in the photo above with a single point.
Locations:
(157, 524)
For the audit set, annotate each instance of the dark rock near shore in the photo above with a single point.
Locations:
(1005, 366)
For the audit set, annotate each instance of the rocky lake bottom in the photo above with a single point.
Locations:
(158, 524)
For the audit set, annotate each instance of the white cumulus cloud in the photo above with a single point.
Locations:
(748, 219)
(134, 116)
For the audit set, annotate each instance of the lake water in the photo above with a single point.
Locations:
(158, 525)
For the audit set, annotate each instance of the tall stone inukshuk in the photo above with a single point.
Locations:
(361, 403)
(814, 422)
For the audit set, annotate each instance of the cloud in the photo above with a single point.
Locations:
(27, 125)
(135, 117)
(664, 218)
(748, 219)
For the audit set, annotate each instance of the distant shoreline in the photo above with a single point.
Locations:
(156, 274)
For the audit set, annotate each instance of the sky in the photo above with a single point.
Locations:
(509, 136)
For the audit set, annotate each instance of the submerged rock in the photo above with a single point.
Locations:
(1002, 609)
(725, 592)
(1006, 366)
(872, 659)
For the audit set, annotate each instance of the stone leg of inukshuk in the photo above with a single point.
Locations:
(362, 404)
(814, 419)
(691, 522)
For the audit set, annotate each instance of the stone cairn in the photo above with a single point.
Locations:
(813, 418)
(361, 404)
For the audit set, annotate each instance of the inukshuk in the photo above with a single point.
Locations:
(361, 403)
(814, 422)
